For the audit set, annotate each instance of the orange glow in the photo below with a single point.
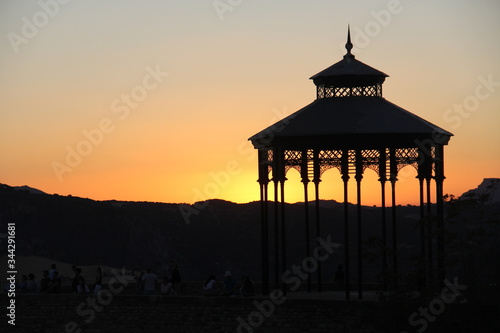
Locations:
(185, 137)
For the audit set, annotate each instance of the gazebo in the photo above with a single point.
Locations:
(351, 127)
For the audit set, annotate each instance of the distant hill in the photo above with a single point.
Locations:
(217, 236)
(29, 189)
(489, 189)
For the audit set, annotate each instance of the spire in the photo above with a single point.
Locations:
(348, 45)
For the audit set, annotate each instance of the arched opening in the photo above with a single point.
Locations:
(370, 189)
(294, 188)
(407, 186)
(331, 186)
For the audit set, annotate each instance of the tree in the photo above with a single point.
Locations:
(472, 239)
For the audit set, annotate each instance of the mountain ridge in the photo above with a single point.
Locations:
(489, 186)
(221, 236)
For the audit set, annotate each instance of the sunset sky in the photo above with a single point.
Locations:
(155, 100)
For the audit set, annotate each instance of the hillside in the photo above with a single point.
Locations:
(221, 236)
(488, 190)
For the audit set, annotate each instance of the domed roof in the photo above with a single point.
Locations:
(349, 72)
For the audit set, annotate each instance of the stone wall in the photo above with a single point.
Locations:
(133, 313)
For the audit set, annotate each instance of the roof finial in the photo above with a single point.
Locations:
(349, 45)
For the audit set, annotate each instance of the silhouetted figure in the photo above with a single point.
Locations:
(209, 287)
(45, 282)
(229, 285)
(175, 275)
(247, 289)
(149, 281)
(98, 281)
(55, 284)
(166, 287)
(339, 276)
(31, 284)
(22, 287)
(52, 270)
(139, 285)
(76, 278)
(81, 287)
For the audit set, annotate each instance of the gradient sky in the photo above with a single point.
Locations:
(233, 68)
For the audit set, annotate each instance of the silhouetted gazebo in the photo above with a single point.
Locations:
(350, 126)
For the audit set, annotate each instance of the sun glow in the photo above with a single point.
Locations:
(184, 137)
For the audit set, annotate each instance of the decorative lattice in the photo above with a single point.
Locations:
(268, 160)
(329, 159)
(320, 92)
(342, 92)
(371, 160)
(329, 92)
(326, 92)
(406, 156)
(351, 157)
(357, 91)
(293, 159)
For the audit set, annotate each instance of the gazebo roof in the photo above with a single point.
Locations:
(348, 66)
(349, 117)
(350, 113)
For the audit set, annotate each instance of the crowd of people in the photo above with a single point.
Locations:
(147, 283)
(229, 287)
(51, 282)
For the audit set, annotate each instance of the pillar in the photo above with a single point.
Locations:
(424, 176)
(263, 182)
(441, 270)
(359, 177)
(282, 178)
(305, 181)
(345, 178)
(430, 233)
(283, 238)
(317, 180)
(383, 179)
(393, 178)
(276, 233)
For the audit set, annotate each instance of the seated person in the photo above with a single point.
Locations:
(209, 287)
(82, 288)
(166, 287)
(247, 288)
(229, 287)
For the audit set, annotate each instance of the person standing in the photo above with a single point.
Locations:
(77, 271)
(98, 281)
(55, 284)
(32, 285)
(149, 281)
(52, 270)
(175, 274)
